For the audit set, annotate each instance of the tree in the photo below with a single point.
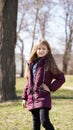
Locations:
(21, 47)
(8, 18)
(23, 8)
(37, 7)
(67, 6)
(37, 21)
(44, 17)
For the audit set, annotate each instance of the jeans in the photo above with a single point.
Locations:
(41, 117)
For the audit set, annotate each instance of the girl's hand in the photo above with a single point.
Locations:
(45, 87)
(24, 103)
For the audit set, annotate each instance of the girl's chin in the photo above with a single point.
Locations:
(40, 56)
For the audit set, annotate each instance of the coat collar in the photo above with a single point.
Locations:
(41, 61)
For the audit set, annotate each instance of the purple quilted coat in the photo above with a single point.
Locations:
(36, 96)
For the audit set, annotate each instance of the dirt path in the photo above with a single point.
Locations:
(70, 87)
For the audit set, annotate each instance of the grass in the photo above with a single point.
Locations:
(14, 117)
(69, 80)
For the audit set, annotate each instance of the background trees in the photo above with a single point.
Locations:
(67, 6)
(34, 21)
(41, 21)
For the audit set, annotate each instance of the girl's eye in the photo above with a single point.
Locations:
(39, 48)
(43, 48)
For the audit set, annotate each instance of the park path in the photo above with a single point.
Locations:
(68, 87)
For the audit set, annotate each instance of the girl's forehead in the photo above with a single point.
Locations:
(41, 45)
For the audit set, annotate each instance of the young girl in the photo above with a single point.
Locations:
(43, 77)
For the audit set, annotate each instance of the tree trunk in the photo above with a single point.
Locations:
(22, 61)
(8, 18)
(22, 55)
(35, 22)
(67, 52)
(66, 57)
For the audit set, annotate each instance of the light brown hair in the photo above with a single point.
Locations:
(50, 62)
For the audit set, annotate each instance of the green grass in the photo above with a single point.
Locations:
(14, 117)
(69, 80)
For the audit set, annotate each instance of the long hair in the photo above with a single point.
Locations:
(50, 62)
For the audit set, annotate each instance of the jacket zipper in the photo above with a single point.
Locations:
(33, 85)
(33, 95)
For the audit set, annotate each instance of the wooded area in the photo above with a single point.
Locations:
(34, 18)
(35, 23)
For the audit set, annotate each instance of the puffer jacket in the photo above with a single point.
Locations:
(36, 96)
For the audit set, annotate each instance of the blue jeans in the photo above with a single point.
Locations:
(41, 117)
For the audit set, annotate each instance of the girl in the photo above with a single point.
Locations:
(43, 76)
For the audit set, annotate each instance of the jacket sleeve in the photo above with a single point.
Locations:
(57, 83)
(24, 93)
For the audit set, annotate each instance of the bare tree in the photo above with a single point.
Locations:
(32, 13)
(37, 7)
(8, 18)
(35, 19)
(42, 17)
(67, 6)
(45, 16)
(23, 8)
(21, 47)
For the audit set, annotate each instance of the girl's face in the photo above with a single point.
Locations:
(42, 50)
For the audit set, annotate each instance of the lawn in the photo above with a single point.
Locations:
(14, 117)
